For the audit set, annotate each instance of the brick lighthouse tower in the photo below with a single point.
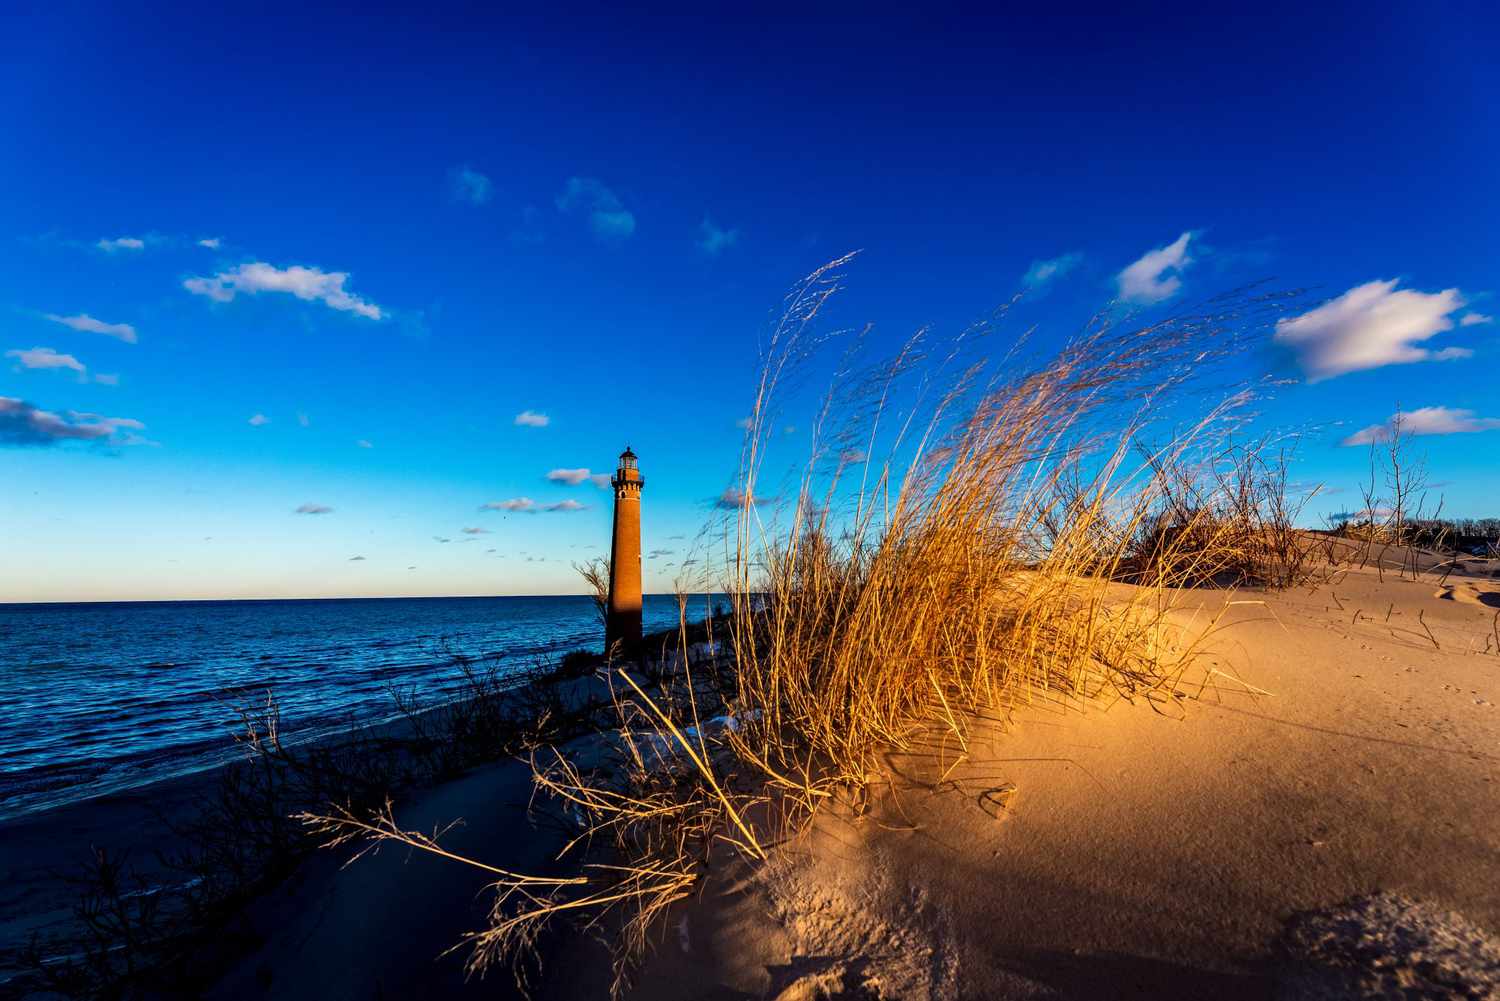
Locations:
(624, 621)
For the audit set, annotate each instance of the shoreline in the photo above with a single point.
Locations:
(41, 849)
(153, 690)
(225, 756)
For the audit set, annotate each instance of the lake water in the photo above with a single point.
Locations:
(106, 696)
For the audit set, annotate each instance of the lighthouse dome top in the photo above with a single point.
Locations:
(627, 458)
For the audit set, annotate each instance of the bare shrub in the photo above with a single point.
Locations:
(595, 574)
(1227, 519)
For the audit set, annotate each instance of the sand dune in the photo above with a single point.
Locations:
(1143, 850)
(1334, 759)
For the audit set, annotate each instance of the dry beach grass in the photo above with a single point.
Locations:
(1017, 532)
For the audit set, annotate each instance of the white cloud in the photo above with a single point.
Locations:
(607, 215)
(258, 420)
(713, 239)
(601, 480)
(212, 243)
(313, 509)
(107, 379)
(45, 358)
(121, 243)
(1423, 421)
(362, 443)
(572, 477)
(1042, 272)
(567, 505)
(469, 185)
(305, 283)
(1475, 319)
(513, 504)
(24, 425)
(1158, 274)
(532, 419)
(87, 324)
(1370, 326)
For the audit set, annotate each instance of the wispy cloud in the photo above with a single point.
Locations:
(107, 379)
(1475, 319)
(1370, 326)
(745, 423)
(530, 506)
(513, 504)
(87, 324)
(46, 358)
(258, 420)
(607, 215)
(466, 184)
(310, 508)
(1043, 272)
(572, 477)
(25, 425)
(733, 498)
(532, 419)
(362, 443)
(476, 531)
(213, 243)
(713, 239)
(600, 480)
(1158, 274)
(309, 284)
(1424, 421)
(121, 243)
(356, 559)
(303, 420)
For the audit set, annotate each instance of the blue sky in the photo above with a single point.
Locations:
(252, 263)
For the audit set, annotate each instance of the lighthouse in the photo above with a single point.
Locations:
(623, 624)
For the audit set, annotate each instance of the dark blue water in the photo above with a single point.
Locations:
(106, 696)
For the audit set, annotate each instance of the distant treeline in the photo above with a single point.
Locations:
(1454, 534)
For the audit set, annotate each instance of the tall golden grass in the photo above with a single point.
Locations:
(966, 532)
(979, 561)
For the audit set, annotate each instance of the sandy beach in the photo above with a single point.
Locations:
(1157, 851)
(1345, 742)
